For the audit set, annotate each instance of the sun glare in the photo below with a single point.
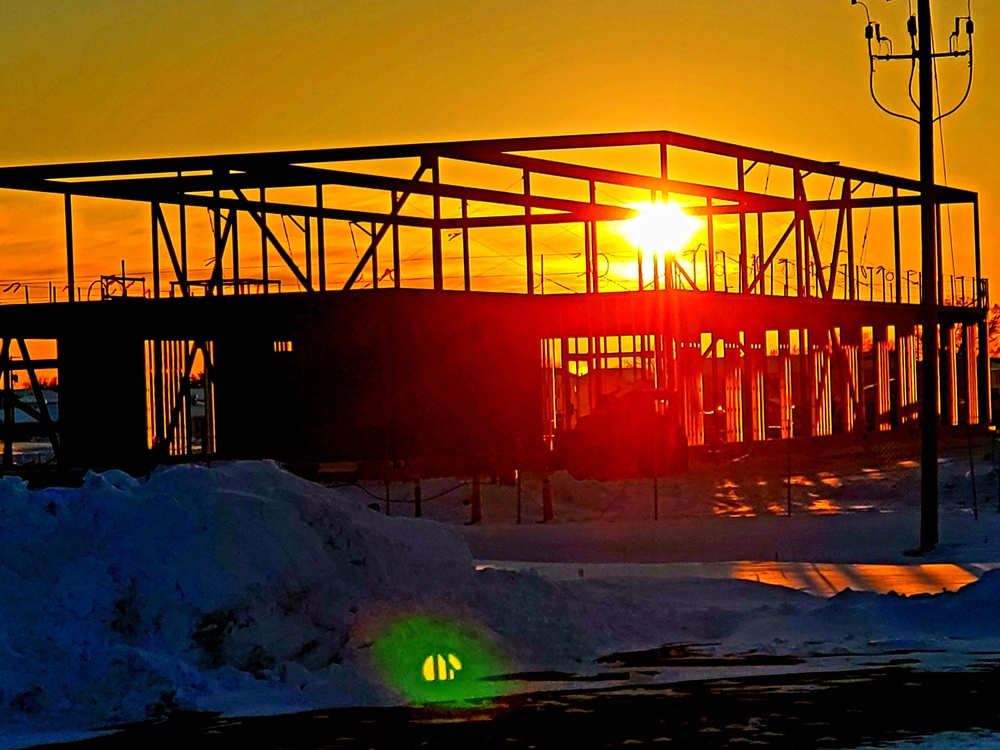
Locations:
(660, 227)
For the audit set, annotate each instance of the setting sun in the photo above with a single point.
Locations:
(660, 227)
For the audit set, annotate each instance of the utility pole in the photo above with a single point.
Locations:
(928, 302)
(922, 54)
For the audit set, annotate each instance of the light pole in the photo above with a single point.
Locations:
(922, 54)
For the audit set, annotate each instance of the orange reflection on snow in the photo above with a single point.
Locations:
(827, 579)
(732, 508)
(822, 507)
(730, 503)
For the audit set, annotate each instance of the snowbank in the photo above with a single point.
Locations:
(225, 588)
(244, 589)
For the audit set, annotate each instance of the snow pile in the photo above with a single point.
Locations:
(203, 588)
(242, 588)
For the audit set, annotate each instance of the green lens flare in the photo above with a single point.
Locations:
(429, 660)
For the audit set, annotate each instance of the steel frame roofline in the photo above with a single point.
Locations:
(31, 177)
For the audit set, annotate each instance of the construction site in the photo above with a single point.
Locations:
(475, 307)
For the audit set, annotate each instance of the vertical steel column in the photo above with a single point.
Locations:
(983, 360)
(529, 250)
(911, 403)
(182, 210)
(599, 360)
(374, 254)
(321, 240)
(985, 400)
(817, 402)
(70, 263)
(853, 402)
(754, 386)
(939, 244)
(899, 405)
(949, 388)
(437, 258)
(154, 207)
(219, 247)
(591, 394)
(801, 251)
(668, 265)
(567, 386)
(746, 387)
(8, 405)
(883, 389)
(234, 217)
(849, 221)
(807, 382)
(744, 255)
(801, 287)
(309, 253)
(466, 261)
(209, 441)
(693, 381)
(786, 395)
(396, 270)
(638, 251)
(761, 255)
(710, 256)
(263, 241)
(169, 394)
(664, 169)
(896, 244)
(970, 338)
(159, 418)
(975, 235)
(716, 393)
(594, 265)
(667, 375)
(824, 393)
(735, 406)
(188, 349)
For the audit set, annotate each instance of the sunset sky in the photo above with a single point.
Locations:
(110, 79)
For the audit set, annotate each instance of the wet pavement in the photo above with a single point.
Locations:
(894, 700)
(820, 579)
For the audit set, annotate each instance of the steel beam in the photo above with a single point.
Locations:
(394, 215)
(289, 261)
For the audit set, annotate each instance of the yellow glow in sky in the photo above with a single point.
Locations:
(110, 79)
(661, 227)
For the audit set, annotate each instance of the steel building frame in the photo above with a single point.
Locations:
(709, 345)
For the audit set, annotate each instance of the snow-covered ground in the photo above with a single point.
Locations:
(244, 589)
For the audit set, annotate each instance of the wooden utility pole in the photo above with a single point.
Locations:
(923, 55)
(928, 302)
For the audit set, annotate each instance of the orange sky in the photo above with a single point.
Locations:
(112, 79)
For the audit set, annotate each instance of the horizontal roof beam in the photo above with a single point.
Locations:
(27, 177)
